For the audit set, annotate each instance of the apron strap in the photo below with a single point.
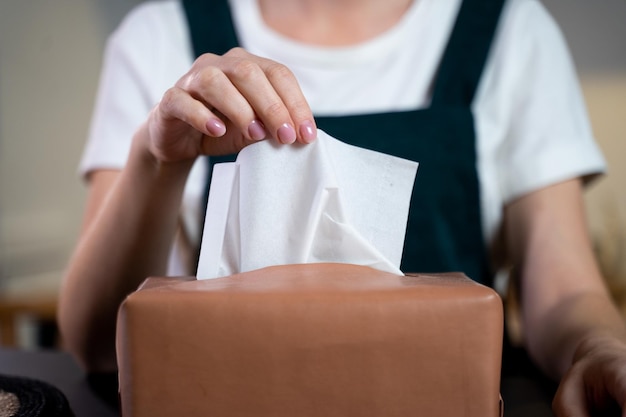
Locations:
(466, 53)
(210, 26)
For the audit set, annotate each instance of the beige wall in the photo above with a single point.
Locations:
(50, 55)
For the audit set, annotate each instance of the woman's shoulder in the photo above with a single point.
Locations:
(529, 44)
(152, 9)
(528, 19)
(149, 17)
(152, 30)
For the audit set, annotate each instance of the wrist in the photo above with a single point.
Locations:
(598, 341)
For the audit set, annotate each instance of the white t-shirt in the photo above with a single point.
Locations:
(531, 122)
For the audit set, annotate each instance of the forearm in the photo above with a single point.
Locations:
(563, 297)
(128, 240)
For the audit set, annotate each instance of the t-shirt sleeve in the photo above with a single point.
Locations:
(123, 99)
(535, 99)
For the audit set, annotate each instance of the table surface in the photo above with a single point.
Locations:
(60, 370)
(89, 398)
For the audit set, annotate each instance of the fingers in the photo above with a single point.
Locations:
(224, 103)
(276, 97)
(570, 398)
(176, 104)
(258, 97)
(593, 386)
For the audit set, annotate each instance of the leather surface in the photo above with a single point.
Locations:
(311, 340)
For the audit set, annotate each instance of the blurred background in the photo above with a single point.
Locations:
(50, 57)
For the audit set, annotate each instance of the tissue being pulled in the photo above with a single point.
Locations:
(289, 204)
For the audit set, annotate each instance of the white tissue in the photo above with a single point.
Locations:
(289, 204)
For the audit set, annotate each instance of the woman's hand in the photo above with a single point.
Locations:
(595, 385)
(225, 103)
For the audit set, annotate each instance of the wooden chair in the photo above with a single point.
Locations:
(34, 297)
(42, 308)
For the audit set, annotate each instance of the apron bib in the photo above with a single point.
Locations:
(444, 230)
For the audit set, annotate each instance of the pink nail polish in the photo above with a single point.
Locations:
(256, 130)
(287, 134)
(215, 127)
(308, 131)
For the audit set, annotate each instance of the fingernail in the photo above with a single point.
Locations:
(307, 131)
(256, 130)
(215, 127)
(287, 134)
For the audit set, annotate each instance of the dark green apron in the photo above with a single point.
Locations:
(444, 231)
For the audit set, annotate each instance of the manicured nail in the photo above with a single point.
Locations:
(287, 134)
(215, 127)
(256, 130)
(307, 131)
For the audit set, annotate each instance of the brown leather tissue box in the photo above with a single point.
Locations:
(316, 340)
